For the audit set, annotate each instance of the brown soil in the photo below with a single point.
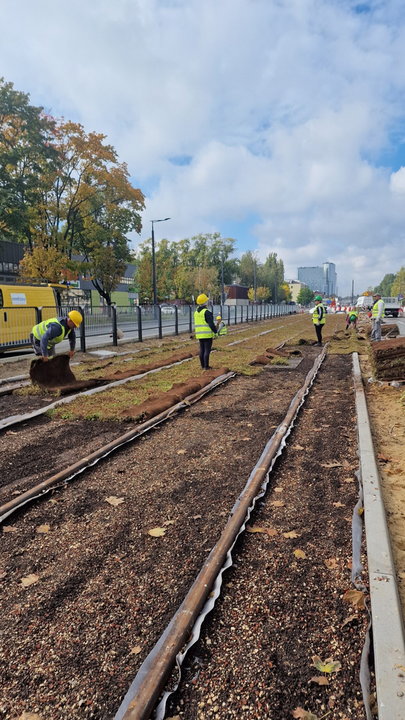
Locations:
(103, 589)
(389, 359)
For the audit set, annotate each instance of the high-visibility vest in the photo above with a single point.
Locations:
(374, 312)
(353, 315)
(202, 329)
(39, 331)
(222, 330)
(315, 316)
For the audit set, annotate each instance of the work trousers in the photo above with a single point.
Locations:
(318, 330)
(205, 349)
(36, 344)
(376, 331)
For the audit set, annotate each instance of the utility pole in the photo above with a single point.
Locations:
(154, 260)
(254, 278)
(352, 292)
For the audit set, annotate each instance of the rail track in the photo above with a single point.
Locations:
(149, 598)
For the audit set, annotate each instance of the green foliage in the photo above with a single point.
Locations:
(398, 285)
(305, 296)
(384, 288)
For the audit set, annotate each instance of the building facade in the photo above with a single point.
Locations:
(295, 287)
(320, 278)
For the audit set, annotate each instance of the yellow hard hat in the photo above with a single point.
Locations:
(75, 317)
(202, 299)
(218, 317)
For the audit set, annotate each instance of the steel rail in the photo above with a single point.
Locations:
(149, 682)
(78, 467)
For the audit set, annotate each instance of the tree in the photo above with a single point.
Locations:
(398, 286)
(305, 296)
(106, 270)
(262, 294)
(44, 264)
(384, 288)
(27, 156)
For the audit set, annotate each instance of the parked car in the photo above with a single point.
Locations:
(167, 309)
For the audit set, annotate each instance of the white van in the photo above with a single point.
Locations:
(364, 302)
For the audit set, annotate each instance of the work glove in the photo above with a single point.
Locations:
(71, 353)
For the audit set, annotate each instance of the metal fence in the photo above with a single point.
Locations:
(135, 324)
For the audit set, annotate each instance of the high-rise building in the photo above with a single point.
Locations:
(320, 278)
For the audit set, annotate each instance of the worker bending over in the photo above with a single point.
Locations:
(205, 330)
(221, 327)
(49, 333)
(352, 317)
(318, 318)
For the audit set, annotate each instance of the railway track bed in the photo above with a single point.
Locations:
(88, 589)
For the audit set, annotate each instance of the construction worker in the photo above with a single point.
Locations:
(377, 313)
(318, 318)
(221, 327)
(351, 317)
(205, 330)
(49, 333)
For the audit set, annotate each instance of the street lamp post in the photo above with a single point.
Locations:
(154, 260)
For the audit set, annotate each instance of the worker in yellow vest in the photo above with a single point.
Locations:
(318, 318)
(377, 314)
(221, 327)
(49, 333)
(205, 330)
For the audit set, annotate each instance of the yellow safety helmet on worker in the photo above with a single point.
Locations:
(75, 317)
(202, 299)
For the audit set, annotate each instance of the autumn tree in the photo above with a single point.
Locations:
(27, 156)
(47, 264)
(262, 294)
(384, 288)
(398, 285)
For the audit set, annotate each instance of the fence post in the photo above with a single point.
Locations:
(176, 320)
(159, 321)
(229, 314)
(82, 332)
(114, 325)
(190, 321)
(139, 318)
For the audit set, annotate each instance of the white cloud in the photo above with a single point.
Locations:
(284, 109)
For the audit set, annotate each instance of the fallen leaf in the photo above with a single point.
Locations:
(383, 458)
(258, 529)
(355, 598)
(249, 424)
(30, 716)
(331, 464)
(115, 501)
(348, 479)
(298, 447)
(43, 529)
(246, 438)
(360, 511)
(338, 504)
(319, 680)
(331, 563)
(302, 714)
(277, 503)
(136, 650)
(349, 620)
(157, 532)
(29, 580)
(327, 666)
(299, 554)
(400, 667)
(291, 534)
(181, 452)
(196, 517)
(9, 528)
(278, 489)
(169, 522)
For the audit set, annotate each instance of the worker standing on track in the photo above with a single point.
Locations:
(49, 333)
(377, 314)
(205, 330)
(318, 318)
(221, 327)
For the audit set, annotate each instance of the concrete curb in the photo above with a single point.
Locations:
(386, 611)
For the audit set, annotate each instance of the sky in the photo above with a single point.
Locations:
(279, 123)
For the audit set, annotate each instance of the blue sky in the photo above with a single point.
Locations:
(280, 123)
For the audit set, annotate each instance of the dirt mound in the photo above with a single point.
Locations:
(389, 359)
(272, 354)
(391, 330)
(163, 401)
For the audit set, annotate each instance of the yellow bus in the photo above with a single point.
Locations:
(19, 305)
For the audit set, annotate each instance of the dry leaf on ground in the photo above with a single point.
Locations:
(278, 489)
(320, 680)
(41, 529)
(302, 714)
(181, 452)
(349, 620)
(277, 503)
(136, 650)
(291, 534)
(115, 501)
(300, 554)
(355, 598)
(338, 504)
(29, 580)
(30, 716)
(331, 563)
(9, 528)
(157, 532)
(327, 666)
(258, 529)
